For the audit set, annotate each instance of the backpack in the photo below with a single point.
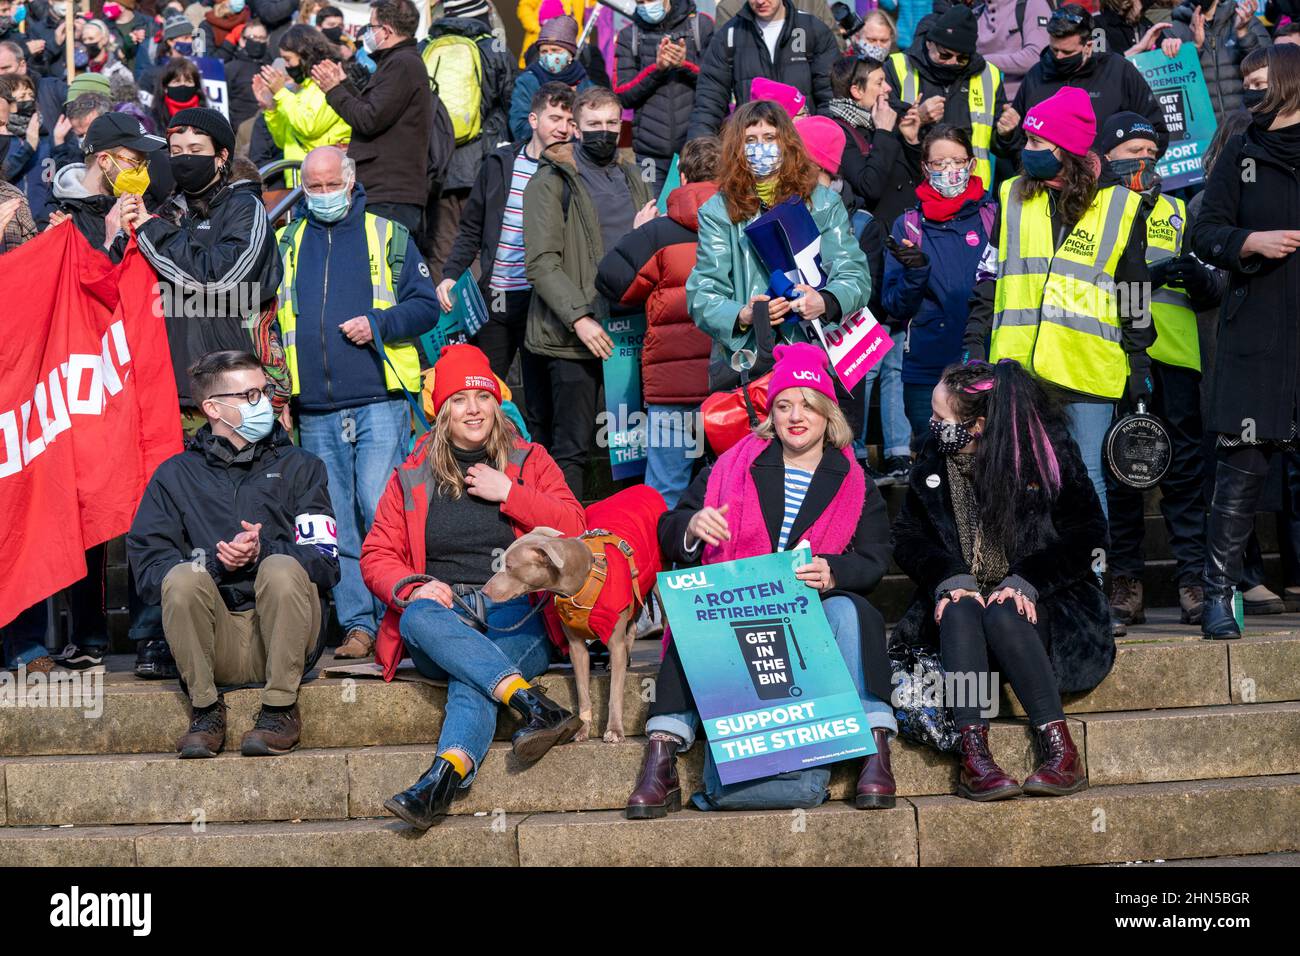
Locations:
(456, 73)
(912, 223)
(1020, 14)
(442, 144)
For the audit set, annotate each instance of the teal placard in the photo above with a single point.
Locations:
(1179, 87)
(467, 315)
(672, 180)
(624, 429)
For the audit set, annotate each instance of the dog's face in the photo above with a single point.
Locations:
(533, 563)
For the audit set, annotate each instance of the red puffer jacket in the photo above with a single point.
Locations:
(650, 265)
(394, 548)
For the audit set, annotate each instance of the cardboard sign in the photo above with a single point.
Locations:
(625, 427)
(855, 346)
(1179, 87)
(468, 314)
(212, 73)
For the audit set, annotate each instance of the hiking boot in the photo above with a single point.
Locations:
(546, 724)
(358, 644)
(1191, 600)
(876, 787)
(981, 778)
(276, 732)
(154, 661)
(658, 792)
(1117, 627)
(77, 658)
(1126, 600)
(207, 733)
(1260, 600)
(1061, 771)
(427, 801)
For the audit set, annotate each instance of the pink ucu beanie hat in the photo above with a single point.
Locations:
(1066, 118)
(800, 365)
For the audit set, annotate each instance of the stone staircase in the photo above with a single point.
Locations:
(1192, 751)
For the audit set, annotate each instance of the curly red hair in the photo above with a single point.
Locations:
(797, 175)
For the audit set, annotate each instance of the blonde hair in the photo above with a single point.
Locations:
(838, 434)
(442, 460)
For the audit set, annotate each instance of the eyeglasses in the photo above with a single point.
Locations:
(252, 396)
(1065, 16)
(949, 56)
(943, 165)
(126, 165)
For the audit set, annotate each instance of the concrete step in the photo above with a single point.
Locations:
(1152, 670)
(1118, 824)
(343, 782)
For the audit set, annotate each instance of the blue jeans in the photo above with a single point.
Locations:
(22, 640)
(893, 417)
(1088, 424)
(842, 616)
(916, 402)
(672, 441)
(443, 647)
(360, 447)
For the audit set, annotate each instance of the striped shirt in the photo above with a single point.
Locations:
(508, 266)
(796, 487)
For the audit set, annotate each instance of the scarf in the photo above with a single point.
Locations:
(221, 26)
(766, 189)
(937, 207)
(571, 75)
(1283, 144)
(853, 114)
(730, 482)
(986, 562)
(174, 107)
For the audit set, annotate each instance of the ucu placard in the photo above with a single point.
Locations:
(319, 531)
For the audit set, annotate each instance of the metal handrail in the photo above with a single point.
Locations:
(289, 201)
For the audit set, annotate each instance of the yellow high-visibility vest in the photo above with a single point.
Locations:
(1056, 311)
(385, 259)
(981, 99)
(1176, 342)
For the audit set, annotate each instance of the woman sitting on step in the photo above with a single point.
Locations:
(1001, 529)
(464, 494)
(794, 478)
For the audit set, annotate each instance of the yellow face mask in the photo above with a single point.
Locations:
(134, 181)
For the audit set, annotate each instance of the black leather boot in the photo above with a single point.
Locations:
(1232, 518)
(426, 803)
(546, 724)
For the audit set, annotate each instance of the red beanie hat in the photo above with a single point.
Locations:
(1065, 119)
(462, 367)
(800, 365)
(824, 140)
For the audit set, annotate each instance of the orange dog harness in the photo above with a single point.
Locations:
(575, 611)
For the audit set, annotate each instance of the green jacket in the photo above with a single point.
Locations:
(561, 252)
(727, 271)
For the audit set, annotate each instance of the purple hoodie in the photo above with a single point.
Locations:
(1000, 41)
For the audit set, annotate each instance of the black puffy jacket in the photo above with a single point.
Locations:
(200, 496)
(215, 273)
(738, 54)
(662, 99)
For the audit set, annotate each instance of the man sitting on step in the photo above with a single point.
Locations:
(236, 538)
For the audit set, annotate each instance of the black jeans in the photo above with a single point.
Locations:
(1176, 401)
(970, 637)
(560, 395)
(503, 333)
(408, 214)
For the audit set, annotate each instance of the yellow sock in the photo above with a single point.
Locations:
(515, 684)
(457, 761)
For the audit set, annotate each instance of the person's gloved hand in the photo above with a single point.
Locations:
(1179, 271)
(908, 255)
(1160, 272)
(1140, 385)
(974, 352)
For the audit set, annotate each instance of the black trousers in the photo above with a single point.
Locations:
(1177, 403)
(503, 334)
(408, 214)
(560, 395)
(971, 638)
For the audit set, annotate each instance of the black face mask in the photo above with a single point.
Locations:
(255, 48)
(951, 437)
(25, 108)
(93, 50)
(296, 73)
(1252, 98)
(600, 146)
(193, 173)
(333, 34)
(182, 94)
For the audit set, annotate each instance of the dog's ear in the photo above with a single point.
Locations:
(548, 532)
(553, 551)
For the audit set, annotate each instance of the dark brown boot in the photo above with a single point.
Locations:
(1126, 600)
(657, 792)
(876, 782)
(1061, 771)
(207, 733)
(276, 732)
(981, 778)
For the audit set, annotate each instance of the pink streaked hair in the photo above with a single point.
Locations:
(1049, 470)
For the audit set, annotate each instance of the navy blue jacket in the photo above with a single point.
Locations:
(933, 299)
(332, 372)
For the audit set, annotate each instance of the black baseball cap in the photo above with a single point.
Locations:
(120, 129)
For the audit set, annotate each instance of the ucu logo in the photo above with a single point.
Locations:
(806, 375)
(1033, 122)
(688, 581)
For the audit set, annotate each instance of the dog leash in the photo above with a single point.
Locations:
(477, 613)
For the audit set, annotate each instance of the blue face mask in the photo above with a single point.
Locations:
(236, 6)
(257, 420)
(20, 14)
(555, 62)
(1040, 163)
(763, 158)
(329, 207)
(652, 12)
(183, 49)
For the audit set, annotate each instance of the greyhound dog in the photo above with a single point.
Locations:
(543, 560)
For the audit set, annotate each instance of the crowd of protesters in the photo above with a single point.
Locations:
(982, 178)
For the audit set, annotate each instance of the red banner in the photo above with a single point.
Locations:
(88, 407)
